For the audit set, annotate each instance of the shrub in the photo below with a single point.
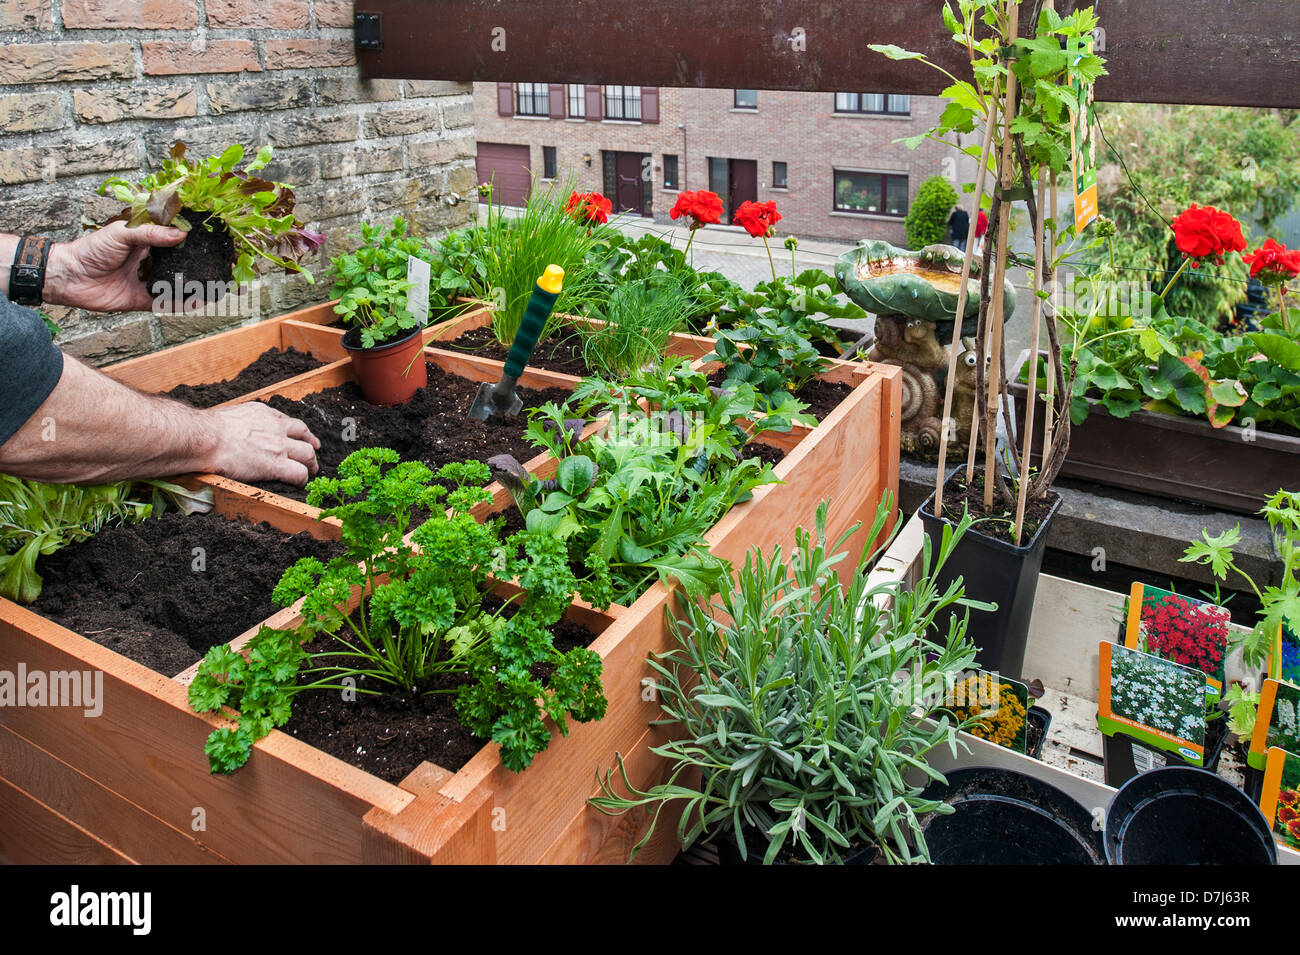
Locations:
(927, 219)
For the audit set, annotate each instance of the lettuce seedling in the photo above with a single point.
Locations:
(257, 212)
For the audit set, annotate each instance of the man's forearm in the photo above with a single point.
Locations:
(92, 429)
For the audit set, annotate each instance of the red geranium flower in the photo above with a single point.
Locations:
(1273, 263)
(1207, 233)
(759, 219)
(589, 207)
(703, 208)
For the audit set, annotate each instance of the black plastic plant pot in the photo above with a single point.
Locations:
(1185, 816)
(1040, 721)
(756, 847)
(1123, 757)
(996, 572)
(1003, 817)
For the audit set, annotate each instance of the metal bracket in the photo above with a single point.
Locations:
(369, 31)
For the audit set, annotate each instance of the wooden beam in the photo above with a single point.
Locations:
(1245, 53)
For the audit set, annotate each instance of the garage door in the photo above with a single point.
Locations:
(507, 166)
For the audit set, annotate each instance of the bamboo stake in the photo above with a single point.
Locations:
(993, 338)
(961, 308)
(1049, 422)
(1027, 440)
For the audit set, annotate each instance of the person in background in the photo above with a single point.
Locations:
(981, 226)
(64, 422)
(958, 227)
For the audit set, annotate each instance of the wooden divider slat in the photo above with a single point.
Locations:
(31, 833)
(87, 804)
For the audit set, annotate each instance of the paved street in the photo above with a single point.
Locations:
(731, 251)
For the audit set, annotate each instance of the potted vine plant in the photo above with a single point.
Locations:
(384, 338)
(236, 222)
(786, 700)
(1018, 95)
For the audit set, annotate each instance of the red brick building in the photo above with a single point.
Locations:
(829, 160)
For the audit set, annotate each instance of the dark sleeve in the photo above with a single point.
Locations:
(30, 366)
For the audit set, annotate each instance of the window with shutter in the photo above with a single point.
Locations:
(623, 102)
(577, 101)
(532, 99)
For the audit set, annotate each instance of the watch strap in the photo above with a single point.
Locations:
(27, 277)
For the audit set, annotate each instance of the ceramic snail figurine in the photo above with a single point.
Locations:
(914, 298)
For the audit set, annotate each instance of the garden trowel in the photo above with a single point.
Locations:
(502, 398)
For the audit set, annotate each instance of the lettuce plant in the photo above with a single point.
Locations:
(257, 212)
(632, 503)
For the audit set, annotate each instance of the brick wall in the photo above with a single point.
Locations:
(799, 129)
(92, 88)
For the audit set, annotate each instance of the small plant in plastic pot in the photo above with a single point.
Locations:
(384, 338)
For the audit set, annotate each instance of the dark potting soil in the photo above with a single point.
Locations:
(431, 427)
(391, 734)
(271, 367)
(206, 257)
(998, 523)
(561, 351)
(821, 397)
(137, 589)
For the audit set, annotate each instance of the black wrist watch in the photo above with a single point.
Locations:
(27, 277)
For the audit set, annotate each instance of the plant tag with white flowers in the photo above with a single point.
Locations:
(1156, 702)
(419, 275)
(1277, 723)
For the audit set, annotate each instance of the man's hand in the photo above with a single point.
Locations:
(257, 443)
(100, 270)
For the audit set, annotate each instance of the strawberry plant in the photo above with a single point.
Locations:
(774, 358)
(420, 615)
(371, 282)
(258, 213)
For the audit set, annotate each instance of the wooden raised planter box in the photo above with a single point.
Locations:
(1175, 456)
(1068, 622)
(129, 785)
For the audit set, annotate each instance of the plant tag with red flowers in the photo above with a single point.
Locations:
(1280, 800)
(1152, 700)
(1181, 629)
(1277, 723)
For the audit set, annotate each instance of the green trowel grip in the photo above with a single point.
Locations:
(540, 305)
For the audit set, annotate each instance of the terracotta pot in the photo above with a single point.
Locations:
(389, 374)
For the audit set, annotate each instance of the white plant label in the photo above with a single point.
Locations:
(419, 275)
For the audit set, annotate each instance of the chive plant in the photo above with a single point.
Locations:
(510, 251)
(637, 322)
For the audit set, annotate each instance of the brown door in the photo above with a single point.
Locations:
(744, 183)
(507, 167)
(629, 187)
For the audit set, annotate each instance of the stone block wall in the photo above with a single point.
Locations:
(94, 88)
